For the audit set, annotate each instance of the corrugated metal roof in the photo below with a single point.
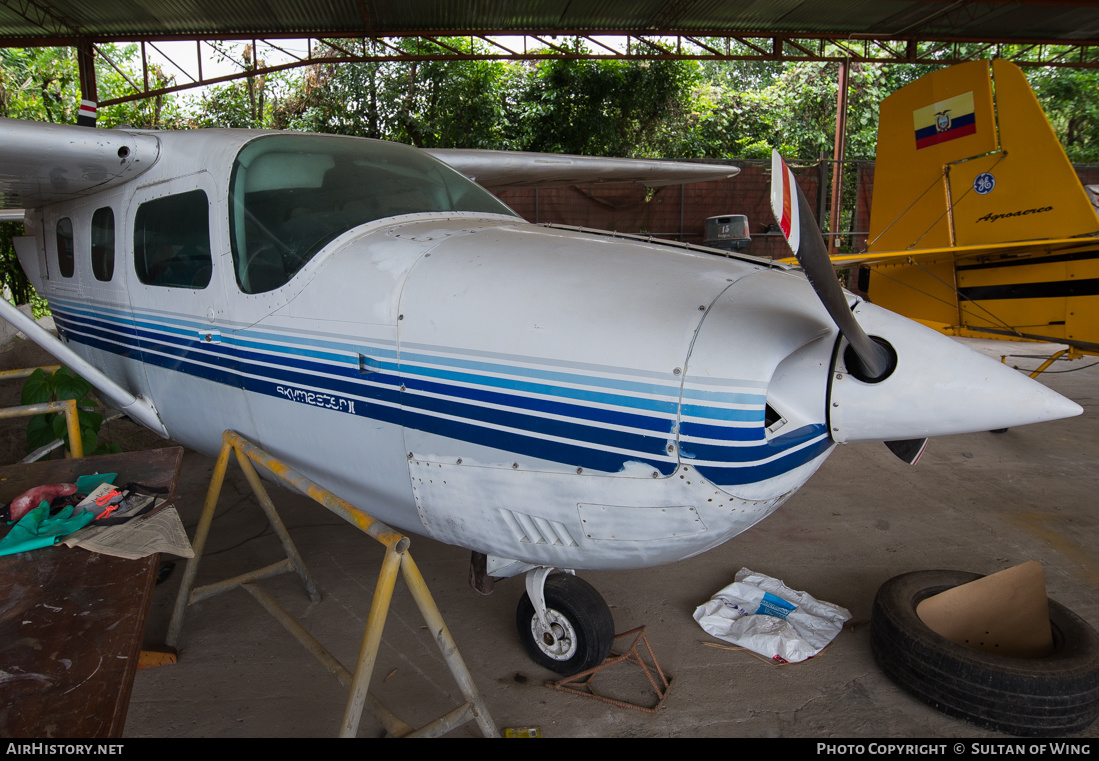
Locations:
(31, 21)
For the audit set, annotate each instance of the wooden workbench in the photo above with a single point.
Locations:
(72, 621)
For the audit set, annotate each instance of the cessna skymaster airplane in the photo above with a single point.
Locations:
(550, 397)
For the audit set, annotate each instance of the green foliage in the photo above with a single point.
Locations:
(1070, 98)
(43, 84)
(41, 387)
(609, 108)
(11, 274)
(245, 103)
(425, 103)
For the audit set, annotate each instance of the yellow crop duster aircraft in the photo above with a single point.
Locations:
(979, 225)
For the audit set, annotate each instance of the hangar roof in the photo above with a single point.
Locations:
(1028, 32)
(62, 22)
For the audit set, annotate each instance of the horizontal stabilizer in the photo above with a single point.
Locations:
(958, 253)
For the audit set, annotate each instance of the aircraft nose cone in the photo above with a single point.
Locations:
(939, 387)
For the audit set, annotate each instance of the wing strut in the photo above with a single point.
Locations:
(140, 410)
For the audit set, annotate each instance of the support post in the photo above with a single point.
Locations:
(397, 561)
(89, 96)
(839, 154)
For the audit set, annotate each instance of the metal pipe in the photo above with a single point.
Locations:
(434, 620)
(446, 722)
(279, 527)
(299, 632)
(267, 572)
(392, 723)
(72, 423)
(65, 406)
(839, 151)
(175, 626)
(26, 372)
(317, 493)
(135, 407)
(372, 637)
(395, 559)
(1048, 362)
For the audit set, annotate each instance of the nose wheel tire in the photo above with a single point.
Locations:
(580, 623)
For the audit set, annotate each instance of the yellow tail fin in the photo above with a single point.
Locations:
(956, 166)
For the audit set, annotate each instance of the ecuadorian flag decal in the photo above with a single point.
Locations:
(946, 120)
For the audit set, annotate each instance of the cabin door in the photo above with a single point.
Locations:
(177, 273)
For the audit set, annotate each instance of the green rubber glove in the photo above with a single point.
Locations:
(37, 529)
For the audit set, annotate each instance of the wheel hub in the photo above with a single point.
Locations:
(559, 641)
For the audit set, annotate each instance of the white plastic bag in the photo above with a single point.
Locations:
(764, 615)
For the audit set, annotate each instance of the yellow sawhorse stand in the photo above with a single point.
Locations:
(397, 558)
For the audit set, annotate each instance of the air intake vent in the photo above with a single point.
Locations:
(535, 530)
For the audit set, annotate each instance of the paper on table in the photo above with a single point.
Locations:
(157, 532)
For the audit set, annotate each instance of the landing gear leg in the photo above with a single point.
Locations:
(564, 624)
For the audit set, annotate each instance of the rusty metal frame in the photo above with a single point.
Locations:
(397, 558)
(1066, 355)
(577, 45)
(581, 684)
(66, 406)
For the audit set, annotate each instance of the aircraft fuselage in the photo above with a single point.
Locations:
(546, 396)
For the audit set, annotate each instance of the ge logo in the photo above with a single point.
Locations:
(984, 183)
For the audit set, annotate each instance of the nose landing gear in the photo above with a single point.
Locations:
(563, 622)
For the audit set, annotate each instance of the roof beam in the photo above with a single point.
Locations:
(336, 49)
(42, 15)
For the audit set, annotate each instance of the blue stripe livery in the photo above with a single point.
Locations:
(595, 422)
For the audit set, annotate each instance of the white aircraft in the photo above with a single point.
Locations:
(549, 397)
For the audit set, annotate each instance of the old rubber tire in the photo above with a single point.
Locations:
(581, 619)
(1054, 695)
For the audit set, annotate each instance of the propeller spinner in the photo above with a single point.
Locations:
(916, 384)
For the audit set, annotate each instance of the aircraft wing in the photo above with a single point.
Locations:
(44, 163)
(1016, 248)
(513, 169)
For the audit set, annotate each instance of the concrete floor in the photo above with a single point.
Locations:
(980, 502)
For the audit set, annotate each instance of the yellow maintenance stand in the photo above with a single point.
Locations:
(397, 559)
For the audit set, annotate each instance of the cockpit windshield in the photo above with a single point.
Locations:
(291, 194)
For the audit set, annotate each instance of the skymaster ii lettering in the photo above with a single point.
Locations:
(317, 399)
(994, 217)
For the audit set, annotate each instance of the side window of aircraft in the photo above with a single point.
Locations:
(103, 243)
(172, 241)
(66, 249)
(290, 195)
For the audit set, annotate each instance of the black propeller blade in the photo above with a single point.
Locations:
(908, 450)
(869, 360)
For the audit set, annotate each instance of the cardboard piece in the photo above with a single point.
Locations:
(1006, 613)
